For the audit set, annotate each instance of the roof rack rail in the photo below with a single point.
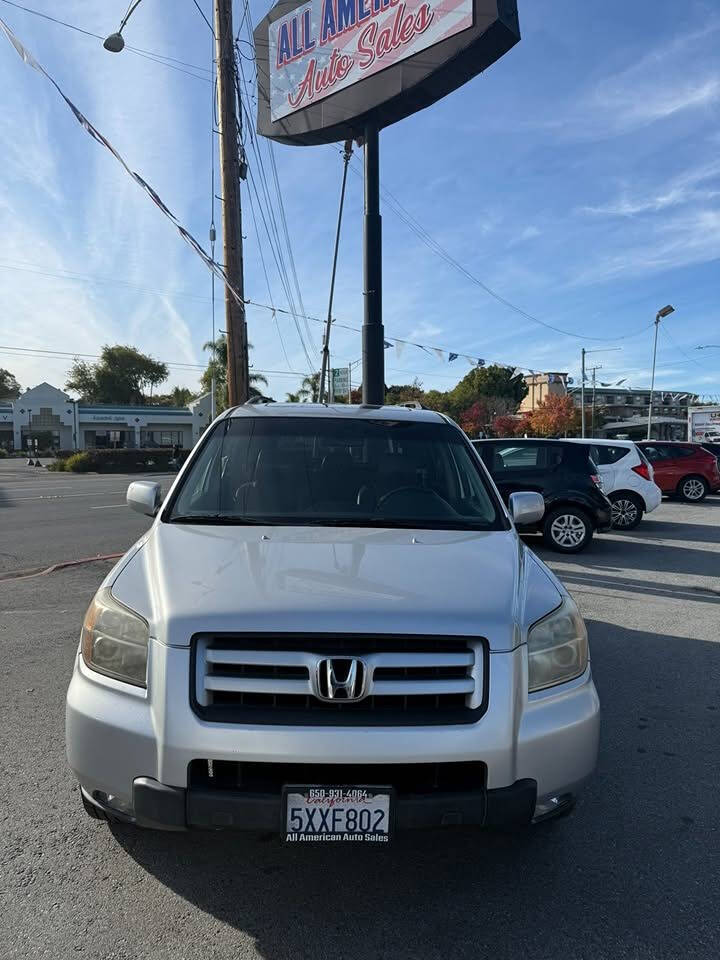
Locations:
(412, 405)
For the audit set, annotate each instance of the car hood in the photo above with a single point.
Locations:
(187, 579)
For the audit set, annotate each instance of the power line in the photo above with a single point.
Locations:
(269, 222)
(166, 294)
(138, 51)
(407, 218)
(202, 14)
(46, 353)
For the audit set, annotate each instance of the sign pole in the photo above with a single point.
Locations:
(373, 334)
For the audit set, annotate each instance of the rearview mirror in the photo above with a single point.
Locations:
(144, 496)
(526, 508)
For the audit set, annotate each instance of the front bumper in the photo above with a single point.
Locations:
(160, 807)
(136, 746)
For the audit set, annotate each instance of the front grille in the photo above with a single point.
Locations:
(406, 778)
(275, 679)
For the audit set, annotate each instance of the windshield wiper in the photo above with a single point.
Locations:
(219, 518)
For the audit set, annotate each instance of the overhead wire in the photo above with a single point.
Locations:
(202, 14)
(160, 58)
(407, 218)
(265, 206)
(271, 307)
(240, 72)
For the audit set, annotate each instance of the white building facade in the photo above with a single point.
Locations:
(46, 414)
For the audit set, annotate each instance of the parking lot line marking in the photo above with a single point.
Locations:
(60, 496)
(109, 506)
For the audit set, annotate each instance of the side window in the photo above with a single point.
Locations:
(610, 454)
(523, 456)
(684, 452)
(654, 453)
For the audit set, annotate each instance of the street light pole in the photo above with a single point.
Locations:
(661, 314)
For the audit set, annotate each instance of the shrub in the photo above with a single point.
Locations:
(127, 461)
(57, 466)
(3, 453)
(79, 463)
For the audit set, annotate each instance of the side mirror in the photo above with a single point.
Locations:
(144, 496)
(526, 508)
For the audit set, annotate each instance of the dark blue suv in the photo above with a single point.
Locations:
(563, 472)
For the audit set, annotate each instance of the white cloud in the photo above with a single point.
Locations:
(674, 78)
(81, 212)
(687, 187)
(529, 233)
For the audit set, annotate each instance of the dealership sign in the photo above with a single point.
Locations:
(327, 67)
(330, 44)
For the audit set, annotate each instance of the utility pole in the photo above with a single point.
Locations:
(592, 415)
(238, 380)
(582, 393)
(661, 314)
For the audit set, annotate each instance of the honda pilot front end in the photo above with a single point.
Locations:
(331, 631)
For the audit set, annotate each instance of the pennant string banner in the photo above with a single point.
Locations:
(30, 60)
(214, 267)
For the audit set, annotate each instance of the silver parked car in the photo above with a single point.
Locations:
(331, 630)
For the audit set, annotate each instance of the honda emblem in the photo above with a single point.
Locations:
(340, 678)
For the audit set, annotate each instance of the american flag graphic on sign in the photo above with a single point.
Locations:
(327, 45)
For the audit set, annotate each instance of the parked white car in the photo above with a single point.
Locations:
(628, 480)
(331, 630)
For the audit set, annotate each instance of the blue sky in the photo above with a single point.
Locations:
(579, 177)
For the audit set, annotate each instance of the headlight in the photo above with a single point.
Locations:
(114, 640)
(557, 648)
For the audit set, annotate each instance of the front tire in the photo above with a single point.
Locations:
(627, 511)
(567, 529)
(692, 489)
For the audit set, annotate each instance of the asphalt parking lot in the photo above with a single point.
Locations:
(633, 872)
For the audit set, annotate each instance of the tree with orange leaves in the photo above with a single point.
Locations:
(553, 417)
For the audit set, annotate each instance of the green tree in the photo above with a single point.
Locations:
(178, 397)
(405, 393)
(494, 382)
(217, 365)
(308, 392)
(121, 375)
(9, 387)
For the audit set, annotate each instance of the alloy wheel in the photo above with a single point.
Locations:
(568, 530)
(624, 513)
(693, 489)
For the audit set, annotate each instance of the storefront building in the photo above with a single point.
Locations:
(47, 415)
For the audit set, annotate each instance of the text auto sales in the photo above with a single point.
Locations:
(296, 40)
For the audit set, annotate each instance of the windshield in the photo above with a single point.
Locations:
(336, 471)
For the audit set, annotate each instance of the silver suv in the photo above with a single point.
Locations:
(332, 631)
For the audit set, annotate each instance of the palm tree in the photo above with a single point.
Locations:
(217, 367)
(308, 391)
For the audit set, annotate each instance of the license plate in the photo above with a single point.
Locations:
(318, 814)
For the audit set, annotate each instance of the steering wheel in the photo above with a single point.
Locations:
(417, 491)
